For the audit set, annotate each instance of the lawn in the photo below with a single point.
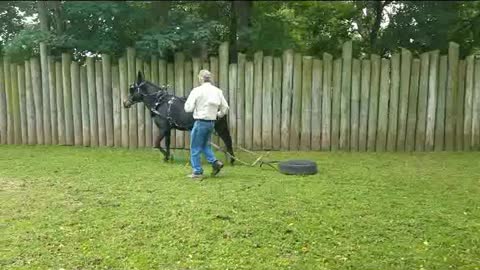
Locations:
(85, 208)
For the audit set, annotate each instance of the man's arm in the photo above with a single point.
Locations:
(190, 103)
(223, 108)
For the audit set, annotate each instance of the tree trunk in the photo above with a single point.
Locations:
(240, 26)
(160, 12)
(379, 6)
(376, 24)
(43, 15)
(58, 17)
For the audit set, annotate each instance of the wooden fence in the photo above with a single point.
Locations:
(293, 102)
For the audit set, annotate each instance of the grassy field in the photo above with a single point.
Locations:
(82, 208)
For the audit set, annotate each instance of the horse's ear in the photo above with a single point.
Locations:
(139, 77)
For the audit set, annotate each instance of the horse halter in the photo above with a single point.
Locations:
(137, 88)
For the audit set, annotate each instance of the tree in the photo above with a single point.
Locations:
(11, 19)
(240, 27)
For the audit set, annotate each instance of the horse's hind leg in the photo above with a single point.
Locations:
(221, 127)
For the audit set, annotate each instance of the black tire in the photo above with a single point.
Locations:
(298, 167)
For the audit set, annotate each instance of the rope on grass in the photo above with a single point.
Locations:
(228, 154)
(257, 161)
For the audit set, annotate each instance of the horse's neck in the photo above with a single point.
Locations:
(151, 100)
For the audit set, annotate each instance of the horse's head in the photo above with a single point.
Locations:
(136, 92)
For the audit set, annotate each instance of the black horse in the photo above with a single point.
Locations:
(168, 112)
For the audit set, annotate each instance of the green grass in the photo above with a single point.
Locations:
(83, 208)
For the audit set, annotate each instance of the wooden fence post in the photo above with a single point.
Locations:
(393, 104)
(257, 100)
(364, 105)
(140, 109)
(469, 95)
(8, 101)
(22, 103)
(355, 106)
(47, 123)
(406, 65)
(295, 121)
(146, 111)
(277, 104)
(432, 101)
(441, 95)
(67, 98)
(60, 104)
(16, 104)
(344, 139)
(3, 107)
(240, 100)
(327, 102)
(249, 77)
(154, 69)
(373, 108)
(77, 104)
(132, 112)
(287, 92)
(383, 106)
(476, 109)
(92, 102)
(171, 83)
(180, 90)
(30, 105)
(232, 85)
(85, 106)
(123, 92)
(459, 106)
(53, 99)
(266, 115)
(412, 106)
(452, 92)
(422, 103)
(306, 104)
(196, 67)
(37, 95)
(107, 99)
(223, 58)
(213, 67)
(102, 136)
(336, 106)
(188, 88)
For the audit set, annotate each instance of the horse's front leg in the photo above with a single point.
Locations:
(167, 145)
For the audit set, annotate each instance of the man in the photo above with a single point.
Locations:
(207, 103)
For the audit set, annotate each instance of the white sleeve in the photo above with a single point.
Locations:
(191, 100)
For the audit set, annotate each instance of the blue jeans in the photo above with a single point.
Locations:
(200, 142)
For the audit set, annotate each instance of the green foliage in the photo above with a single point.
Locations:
(322, 26)
(11, 15)
(185, 31)
(84, 208)
(101, 26)
(25, 44)
(309, 27)
(421, 25)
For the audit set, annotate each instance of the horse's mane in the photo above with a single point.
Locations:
(153, 88)
(160, 89)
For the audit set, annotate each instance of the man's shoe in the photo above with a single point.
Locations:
(195, 176)
(217, 166)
